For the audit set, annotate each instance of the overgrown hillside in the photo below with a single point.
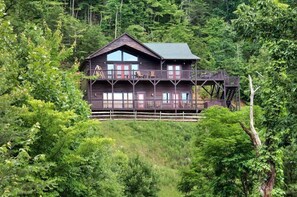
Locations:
(49, 147)
(165, 145)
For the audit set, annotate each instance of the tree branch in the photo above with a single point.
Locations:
(8, 8)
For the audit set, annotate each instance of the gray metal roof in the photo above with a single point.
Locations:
(172, 50)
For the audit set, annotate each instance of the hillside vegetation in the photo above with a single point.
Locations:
(50, 147)
(164, 145)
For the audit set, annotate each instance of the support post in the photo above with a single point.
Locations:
(112, 95)
(225, 101)
(134, 104)
(239, 97)
(155, 97)
(175, 107)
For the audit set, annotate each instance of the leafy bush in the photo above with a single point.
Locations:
(139, 179)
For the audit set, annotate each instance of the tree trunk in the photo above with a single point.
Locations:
(72, 8)
(254, 134)
(268, 183)
(116, 24)
(267, 186)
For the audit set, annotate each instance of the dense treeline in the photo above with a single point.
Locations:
(48, 145)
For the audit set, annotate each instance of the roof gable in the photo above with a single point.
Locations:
(124, 40)
(172, 51)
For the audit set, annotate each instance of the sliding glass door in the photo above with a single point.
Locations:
(120, 100)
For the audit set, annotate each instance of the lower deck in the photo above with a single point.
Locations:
(165, 96)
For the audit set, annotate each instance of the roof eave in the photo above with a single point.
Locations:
(174, 58)
(143, 45)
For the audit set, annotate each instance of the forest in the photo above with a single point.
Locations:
(50, 147)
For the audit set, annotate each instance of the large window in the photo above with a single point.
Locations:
(121, 56)
(166, 97)
(120, 100)
(174, 71)
(185, 97)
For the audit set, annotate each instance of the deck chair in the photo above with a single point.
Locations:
(98, 72)
(138, 74)
(152, 74)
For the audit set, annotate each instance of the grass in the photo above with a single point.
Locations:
(165, 145)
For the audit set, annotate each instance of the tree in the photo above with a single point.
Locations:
(224, 51)
(48, 146)
(223, 158)
(272, 24)
(267, 184)
(139, 179)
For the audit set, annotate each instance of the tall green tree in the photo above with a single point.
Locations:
(271, 23)
(223, 161)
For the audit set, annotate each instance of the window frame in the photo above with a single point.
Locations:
(166, 97)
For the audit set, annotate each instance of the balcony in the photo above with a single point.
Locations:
(163, 75)
(154, 104)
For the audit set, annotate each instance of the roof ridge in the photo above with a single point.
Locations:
(114, 40)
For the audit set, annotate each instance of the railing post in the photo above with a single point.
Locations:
(135, 115)
(183, 115)
(110, 114)
(160, 115)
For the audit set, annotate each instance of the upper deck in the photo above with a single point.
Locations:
(164, 75)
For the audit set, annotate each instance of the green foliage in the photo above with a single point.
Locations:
(90, 170)
(43, 148)
(224, 53)
(139, 179)
(273, 25)
(222, 163)
(42, 58)
(22, 173)
(164, 145)
(290, 165)
(47, 144)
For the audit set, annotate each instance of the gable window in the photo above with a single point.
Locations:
(174, 71)
(166, 97)
(121, 56)
(115, 56)
(129, 58)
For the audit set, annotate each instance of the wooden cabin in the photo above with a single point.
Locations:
(127, 75)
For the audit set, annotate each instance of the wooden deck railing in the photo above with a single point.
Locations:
(157, 74)
(153, 104)
(163, 75)
(232, 81)
(144, 116)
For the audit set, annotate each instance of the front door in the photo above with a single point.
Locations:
(140, 100)
(122, 71)
(174, 71)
